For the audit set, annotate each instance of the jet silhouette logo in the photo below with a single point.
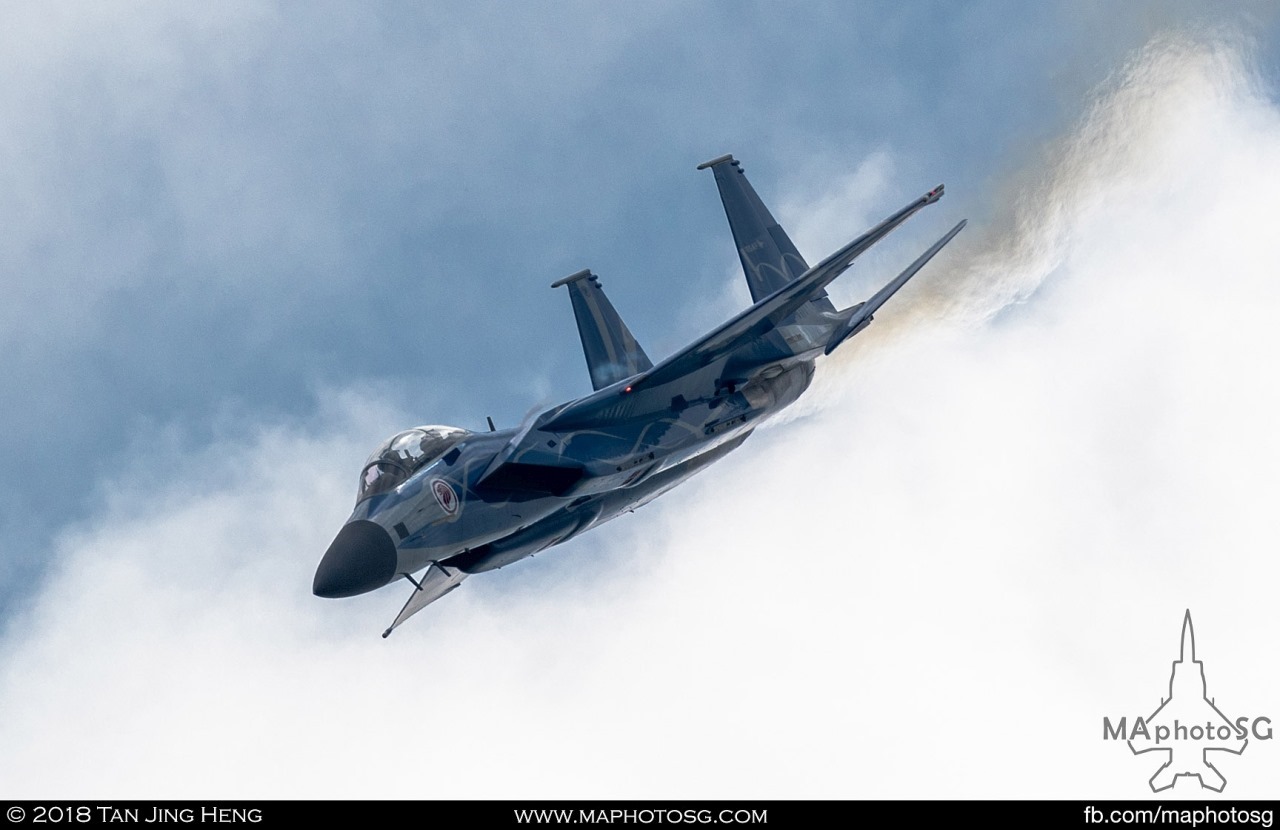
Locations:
(1187, 726)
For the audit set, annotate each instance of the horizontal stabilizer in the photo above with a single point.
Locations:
(612, 352)
(861, 316)
(436, 582)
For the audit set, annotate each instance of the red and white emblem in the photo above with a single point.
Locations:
(445, 495)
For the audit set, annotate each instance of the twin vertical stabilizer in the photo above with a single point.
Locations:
(769, 257)
(612, 352)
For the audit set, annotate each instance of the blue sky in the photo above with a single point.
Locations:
(244, 244)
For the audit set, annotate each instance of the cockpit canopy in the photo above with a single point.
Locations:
(404, 453)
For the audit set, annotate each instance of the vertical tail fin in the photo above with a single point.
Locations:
(612, 352)
(769, 258)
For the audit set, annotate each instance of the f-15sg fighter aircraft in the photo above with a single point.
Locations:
(438, 504)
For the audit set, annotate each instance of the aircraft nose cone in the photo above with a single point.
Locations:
(361, 558)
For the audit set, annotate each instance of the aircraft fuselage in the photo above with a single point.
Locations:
(444, 513)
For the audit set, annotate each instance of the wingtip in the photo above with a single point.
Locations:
(934, 195)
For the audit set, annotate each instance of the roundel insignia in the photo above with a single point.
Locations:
(445, 495)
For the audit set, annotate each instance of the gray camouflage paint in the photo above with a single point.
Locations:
(497, 497)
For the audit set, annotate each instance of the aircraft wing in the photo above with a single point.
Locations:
(778, 306)
(745, 327)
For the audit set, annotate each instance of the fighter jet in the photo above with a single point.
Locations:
(438, 504)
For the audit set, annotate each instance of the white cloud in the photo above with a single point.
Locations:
(936, 584)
